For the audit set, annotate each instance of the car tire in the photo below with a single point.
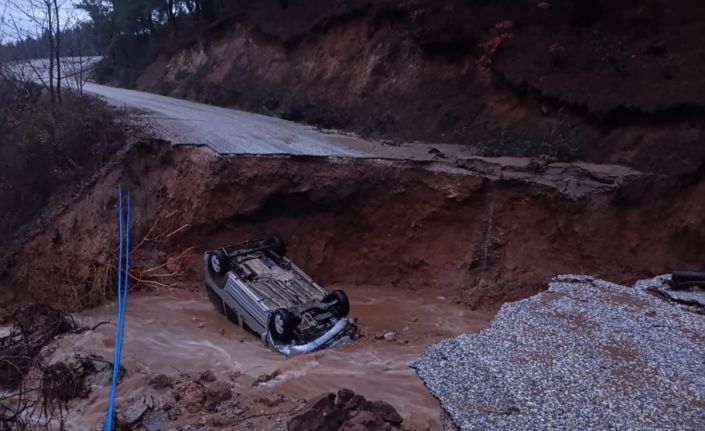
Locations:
(216, 300)
(281, 325)
(217, 267)
(277, 245)
(342, 304)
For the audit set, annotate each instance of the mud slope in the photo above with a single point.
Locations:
(422, 226)
(619, 86)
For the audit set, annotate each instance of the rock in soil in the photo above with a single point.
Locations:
(391, 336)
(216, 393)
(134, 412)
(207, 376)
(161, 381)
(585, 354)
(264, 378)
(346, 411)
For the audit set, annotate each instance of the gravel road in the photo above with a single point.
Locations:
(228, 131)
(584, 355)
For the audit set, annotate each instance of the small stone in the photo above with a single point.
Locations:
(207, 376)
(136, 410)
(264, 378)
(390, 336)
(161, 381)
(216, 393)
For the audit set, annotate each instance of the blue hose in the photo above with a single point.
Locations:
(123, 282)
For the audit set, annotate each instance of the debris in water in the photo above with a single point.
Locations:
(264, 378)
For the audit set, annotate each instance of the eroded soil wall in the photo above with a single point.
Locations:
(425, 226)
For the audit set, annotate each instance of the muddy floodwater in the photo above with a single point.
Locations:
(180, 332)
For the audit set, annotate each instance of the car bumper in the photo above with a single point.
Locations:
(336, 336)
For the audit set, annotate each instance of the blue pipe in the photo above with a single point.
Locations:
(124, 236)
(125, 280)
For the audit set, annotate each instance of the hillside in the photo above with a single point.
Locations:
(617, 84)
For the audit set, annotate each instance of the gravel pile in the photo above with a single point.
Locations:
(585, 354)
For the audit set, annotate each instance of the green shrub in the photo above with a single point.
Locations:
(195, 82)
(559, 143)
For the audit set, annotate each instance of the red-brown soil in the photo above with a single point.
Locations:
(621, 87)
(418, 226)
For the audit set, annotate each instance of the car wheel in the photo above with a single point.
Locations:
(215, 299)
(218, 266)
(277, 245)
(341, 306)
(281, 325)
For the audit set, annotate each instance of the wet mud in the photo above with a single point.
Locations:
(182, 333)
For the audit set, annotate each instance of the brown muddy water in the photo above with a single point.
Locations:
(180, 332)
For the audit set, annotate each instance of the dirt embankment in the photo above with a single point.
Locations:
(616, 84)
(419, 226)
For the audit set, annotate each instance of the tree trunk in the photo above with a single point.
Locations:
(58, 50)
(51, 51)
(171, 14)
(79, 84)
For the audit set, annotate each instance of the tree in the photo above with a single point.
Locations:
(45, 30)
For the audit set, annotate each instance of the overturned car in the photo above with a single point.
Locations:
(258, 288)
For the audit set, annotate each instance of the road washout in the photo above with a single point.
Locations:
(581, 355)
(491, 232)
(469, 234)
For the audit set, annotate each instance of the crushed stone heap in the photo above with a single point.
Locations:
(585, 354)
